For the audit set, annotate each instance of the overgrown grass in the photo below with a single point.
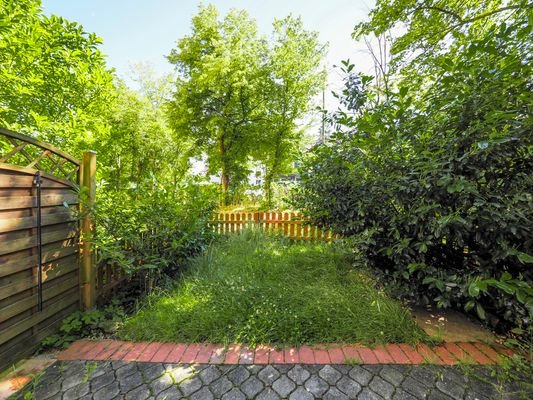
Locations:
(257, 289)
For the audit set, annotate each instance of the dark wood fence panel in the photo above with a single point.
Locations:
(23, 324)
(40, 226)
(47, 267)
(290, 224)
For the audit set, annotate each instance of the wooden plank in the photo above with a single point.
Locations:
(268, 222)
(88, 257)
(27, 323)
(7, 280)
(275, 220)
(292, 232)
(11, 246)
(108, 289)
(16, 224)
(24, 346)
(30, 301)
(38, 143)
(23, 314)
(17, 202)
(50, 271)
(290, 224)
(26, 181)
(237, 222)
(226, 225)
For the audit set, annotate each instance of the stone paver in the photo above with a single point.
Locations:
(299, 374)
(316, 385)
(73, 380)
(284, 385)
(252, 387)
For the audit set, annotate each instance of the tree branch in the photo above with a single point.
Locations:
(442, 10)
(462, 21)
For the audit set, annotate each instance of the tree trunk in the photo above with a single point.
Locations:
(273, 170)
(224, 178)
(269, 176)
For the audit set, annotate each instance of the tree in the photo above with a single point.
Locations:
(141, 148)
(53, 77)
(157, 89)
(217, 102)
(239, 97)
(294, 77)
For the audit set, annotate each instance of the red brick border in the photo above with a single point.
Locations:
(204, 353)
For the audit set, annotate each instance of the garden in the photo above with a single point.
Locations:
(259, 289)
(421, 173)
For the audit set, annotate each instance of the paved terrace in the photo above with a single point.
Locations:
(121, 370)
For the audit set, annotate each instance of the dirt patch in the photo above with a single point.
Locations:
(451, 326)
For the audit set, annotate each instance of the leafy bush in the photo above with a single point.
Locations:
(434, 183)
(89, 323)
(153, 228)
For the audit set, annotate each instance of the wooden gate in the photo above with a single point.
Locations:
(39, 242)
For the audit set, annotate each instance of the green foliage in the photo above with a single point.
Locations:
(53, 77)
(238, 96)
(253, 288)
(153, 229)
(434, 183)
(140, 146)
(54, 80)
(89, 323)
(293, 78)
(216, 101)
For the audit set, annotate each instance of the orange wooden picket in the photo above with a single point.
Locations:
(293, 225)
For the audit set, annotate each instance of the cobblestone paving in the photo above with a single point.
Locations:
(69, 380)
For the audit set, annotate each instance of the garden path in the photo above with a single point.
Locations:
(121, 370)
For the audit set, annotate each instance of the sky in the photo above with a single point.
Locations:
(136, 31)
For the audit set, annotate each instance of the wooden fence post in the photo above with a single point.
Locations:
(88, 259)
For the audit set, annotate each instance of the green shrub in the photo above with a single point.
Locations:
(91, 323)
(155, 228)
(434, 182)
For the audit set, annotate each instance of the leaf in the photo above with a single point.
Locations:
(525, 258)
(480, 311)
(506, 276)
(473, 290)
(469, 305)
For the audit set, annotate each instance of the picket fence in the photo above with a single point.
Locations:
(291, 224)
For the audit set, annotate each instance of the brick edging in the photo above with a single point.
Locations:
(205, 353)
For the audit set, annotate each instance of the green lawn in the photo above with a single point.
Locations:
(257, 289)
